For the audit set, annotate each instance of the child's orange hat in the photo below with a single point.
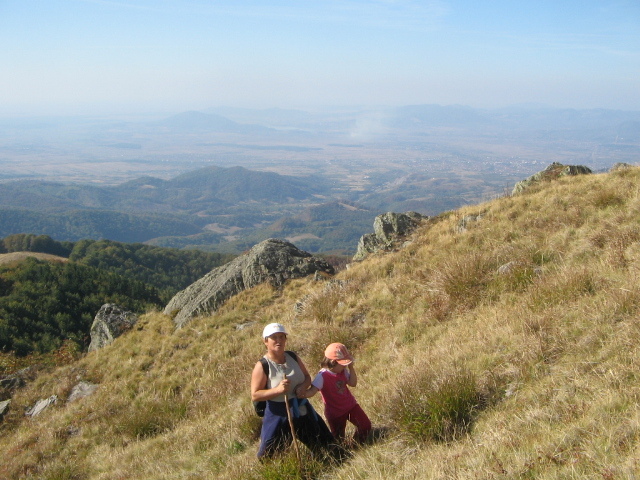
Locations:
(339, 353)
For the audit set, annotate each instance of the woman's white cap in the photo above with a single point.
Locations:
(273, 328)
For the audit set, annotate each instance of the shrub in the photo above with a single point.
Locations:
(605, 198)
(148, 418)
(322, 305)
(463, 280)
(438, 408)
(565, 287)
(286, 467)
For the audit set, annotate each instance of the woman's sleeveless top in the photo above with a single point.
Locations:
(276, 373)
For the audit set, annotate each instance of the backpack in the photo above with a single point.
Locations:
(261, 405)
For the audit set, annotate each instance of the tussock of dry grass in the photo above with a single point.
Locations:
(508, 350)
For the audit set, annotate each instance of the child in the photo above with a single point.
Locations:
(333, 382)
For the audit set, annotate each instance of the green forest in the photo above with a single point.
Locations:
(44, 304)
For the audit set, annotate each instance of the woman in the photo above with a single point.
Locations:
(282, 373)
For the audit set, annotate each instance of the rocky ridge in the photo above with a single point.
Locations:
(553, 171)
(272, 260)
(390, 230)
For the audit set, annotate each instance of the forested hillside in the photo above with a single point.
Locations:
(73, 225)
(209, 208)
(43, 304)
(167, 269)
(330, 228)
(189, 193)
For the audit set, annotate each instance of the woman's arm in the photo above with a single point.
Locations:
(301, 389)
(259, 381)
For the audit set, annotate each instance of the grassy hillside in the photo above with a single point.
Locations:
(467, 369)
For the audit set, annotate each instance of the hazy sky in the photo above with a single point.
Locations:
(111, 56)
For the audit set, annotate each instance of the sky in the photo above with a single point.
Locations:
(127, 56)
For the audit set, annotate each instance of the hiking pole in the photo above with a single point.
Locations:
(293, 431)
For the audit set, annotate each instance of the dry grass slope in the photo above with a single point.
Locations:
(469, 370)
(16, 257)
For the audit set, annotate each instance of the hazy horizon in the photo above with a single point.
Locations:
(81, 57)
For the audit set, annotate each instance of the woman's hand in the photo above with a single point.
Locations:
(284, 386)
(301, 391)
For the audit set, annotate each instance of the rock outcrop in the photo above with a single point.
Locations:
(390, 229)
(110, 322)
(41, 405)
(4, 408)
(81, 390)
(12, 382)
(553, 171)
(272, 261)
(620, 166)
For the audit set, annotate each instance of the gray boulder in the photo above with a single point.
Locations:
(12, 382)
(4, 408)
(620, 166)
(110, 322)
(389, 230)
(507, 268)
(41, 405)
(553, 171)
(81, 390)
(272, 261)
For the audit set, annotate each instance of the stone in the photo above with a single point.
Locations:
(41, 405)
(11, 382)
(273, 261)
(390, 230)
(466, 221)
(507, 268)
(553, 171)
(4, 408)
(620, 166)
(110, 322)
(81, 390)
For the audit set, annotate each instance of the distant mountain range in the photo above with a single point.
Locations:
(194, 121)
(205, 207)
(417, 117)
(151, 179)
(207, 188)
